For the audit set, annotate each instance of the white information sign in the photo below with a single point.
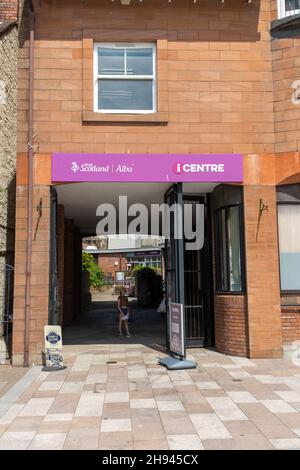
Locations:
(177, 343)
(53, 346)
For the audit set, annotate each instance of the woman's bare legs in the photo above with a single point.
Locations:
(126, 328)
(120, 325)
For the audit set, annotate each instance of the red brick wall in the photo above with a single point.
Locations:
(8, 10)
(231, 324)
(285, 63)
(107, 263)
(217, 74)
(290, 324)
(39, 278)
(263, 295)
(285, 53)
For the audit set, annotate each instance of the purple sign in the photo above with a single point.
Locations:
(173, 168)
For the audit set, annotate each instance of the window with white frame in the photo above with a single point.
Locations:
(125, 78)
(289, 246)
(288, 7)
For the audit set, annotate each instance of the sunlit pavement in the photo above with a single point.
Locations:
(114, 395)
(117, 397)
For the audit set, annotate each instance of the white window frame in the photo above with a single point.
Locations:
(282, 13)
(280, 244)
(98, 77)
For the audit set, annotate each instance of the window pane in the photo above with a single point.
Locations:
(111, 61)
(228, 239)
(291, 5)
(224, 280)
(289, 246)
(221, 252)
(125, 95)
(139, 61)
(234, 250)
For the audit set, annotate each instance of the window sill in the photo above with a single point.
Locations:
(228, 293)
(290, 308)
(157, 119)
(290, 292)
(286, 25)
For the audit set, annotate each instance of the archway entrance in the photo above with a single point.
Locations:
(187, 274)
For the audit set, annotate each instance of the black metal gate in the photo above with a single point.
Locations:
(53, 297)
(6, 311)
(194, 283)
(188, 273)
(174, 250)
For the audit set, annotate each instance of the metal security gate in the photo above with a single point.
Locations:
(188, 274)
(53, 295)
(194, 298)
(174, 250)
(6, 311)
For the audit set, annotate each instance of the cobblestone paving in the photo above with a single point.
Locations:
(117, 397)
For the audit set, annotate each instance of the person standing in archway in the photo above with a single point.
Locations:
(124, 313)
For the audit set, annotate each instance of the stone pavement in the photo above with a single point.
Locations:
(9, 376)
(116, 396)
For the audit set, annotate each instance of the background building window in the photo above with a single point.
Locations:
(125, 78)
(288, 7)
(289, 246)
(228, 249)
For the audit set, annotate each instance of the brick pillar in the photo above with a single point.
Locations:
(8, 10)
(39, 277)
(77, 271)
(68, 273)
(262, 276)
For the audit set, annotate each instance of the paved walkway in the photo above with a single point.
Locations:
(114, 395)
(117, 397)
(9, 376)
(99, 325)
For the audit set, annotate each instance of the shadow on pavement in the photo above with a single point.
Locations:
(98, 324)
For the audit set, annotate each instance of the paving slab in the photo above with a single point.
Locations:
(226, 403)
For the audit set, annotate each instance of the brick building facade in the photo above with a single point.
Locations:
(111, 263)
(8, 146)
(224, 81)
(9, 10)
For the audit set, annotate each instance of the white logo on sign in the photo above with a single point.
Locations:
(74, 167)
